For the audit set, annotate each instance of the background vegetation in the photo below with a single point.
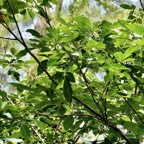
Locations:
(71, 72)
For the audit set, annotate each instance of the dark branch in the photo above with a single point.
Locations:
(26, 47)
(7, 38)
(78, 136)
(141, 4)
(131, 106)
(103, 120)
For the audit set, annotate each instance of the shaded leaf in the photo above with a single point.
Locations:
(25, 131)
(126, 6)
(68, 122)
(21, 54)
(34, 33)
(20, 87)
(44, 64)
(67, 90)
(70, 76)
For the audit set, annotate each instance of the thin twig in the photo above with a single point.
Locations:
(86, 82)
(141, 4)
(139, 117)
(8, 38)
(44, 13)
(26, 47)
(78, 134)
(105, 101)
(40, 138)
(62, 116)
(119, 131)
(103, 120)
(89, 88)
(98, 116)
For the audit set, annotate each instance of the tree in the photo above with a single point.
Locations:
(62, 99)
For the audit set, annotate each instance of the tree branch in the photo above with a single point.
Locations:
(78, 136)
(103, 120)
(40, 138)
(141, 4)
(130, 106)
(44, 13)
(25, 46)
(7, 38)
(88, 87)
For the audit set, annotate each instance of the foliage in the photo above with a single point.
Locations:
(62, 99)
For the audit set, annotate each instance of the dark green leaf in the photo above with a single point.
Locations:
(67, 90)
(13, 51)
(68, 122)
(44, 63)
(25, 131)
(21, 54)
(126, 6)
(70, 76)
(20, 87)
(34, 33)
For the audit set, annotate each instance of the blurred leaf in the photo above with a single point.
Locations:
(34, 33)
(25, 131)
(68, 123)
(20, 87)
(13, 51)
(21, 54)
(44, 63)
(119, 56)
(126, 6)
(67, 90)
(136, 28)
(70, 76)
(95, 45)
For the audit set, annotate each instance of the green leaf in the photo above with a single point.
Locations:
(21, 54)
(8, 115)
(123, 23)
(68, 123)
(136, 28)
(61, 20)
(44, 64)
(131, 126)
(125, 118)
(16, 5)
(34, 33)
(3, 93)
(70, 76)
(20, 87)
(119, 56)
(15, 74)
(83, 22)
(130, 50)
(126, 6)
(3, 61)
(53, 32)
(31, 13)
(25, 131)
(67, 90)
(13, 51)
(91, 44)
